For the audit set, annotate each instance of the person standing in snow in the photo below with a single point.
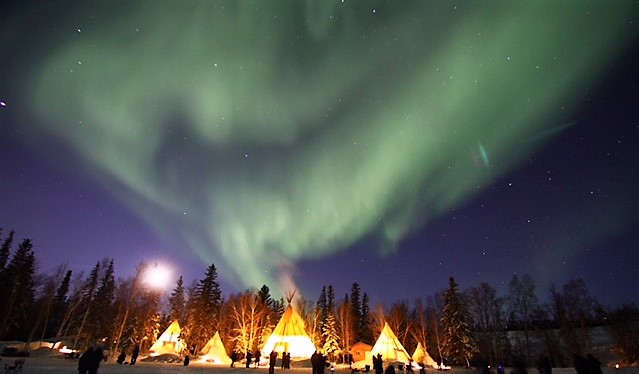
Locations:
(83, 365)
(249, 359)
(93, 362)
(272, 359)
(135, 354)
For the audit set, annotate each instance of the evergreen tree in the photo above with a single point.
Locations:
(177, 302)
(87, 296)
(278, 308)
(365, 322)
(5, 250)
(264, 296)
(206, 309)
(19, 278)
(458, 343)
(331, 340)
(356, 311)
(268, 315)
(60, 305)
(101, 323)
(5, 278)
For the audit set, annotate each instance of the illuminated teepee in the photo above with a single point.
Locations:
(215, 352)
(290, 336)
(389, 347)
(169, 342)
(422, 357)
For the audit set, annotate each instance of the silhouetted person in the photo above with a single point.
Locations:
(378, 364)
(580, 363)
(249, 359)
(121, 357)
(390, 370)
(286, 360)
(135, 354)
(233, 358)
(187, 360)
(272, 359)
(83, 362)
(322, 363)
(593, 364)
(93, 363)
(258, 355)
(315, 362)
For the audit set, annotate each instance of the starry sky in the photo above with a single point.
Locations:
(393, 144)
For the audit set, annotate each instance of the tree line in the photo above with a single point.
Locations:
(457, 327)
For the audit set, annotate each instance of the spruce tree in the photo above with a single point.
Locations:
(87, 295)
(60, 305)
(365, 322)
(5, 250)
(19, 276)
(356, 311)
(5, 277)
(205, 316)
(177, 302)
(459, 343)
(264, 296)
(101, 323)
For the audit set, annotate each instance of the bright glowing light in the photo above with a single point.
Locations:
(157, 276)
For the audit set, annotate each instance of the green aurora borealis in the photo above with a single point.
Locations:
(278, 131)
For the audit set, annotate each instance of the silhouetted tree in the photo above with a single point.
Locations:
(487, 310)
(206, 304)
(522, 304)
(356, 311)
(177, 302)
(100, 324)
(5, 250)
(624, 326)
(574, 310)
(365, 321)
(60, 305)
(18, 291)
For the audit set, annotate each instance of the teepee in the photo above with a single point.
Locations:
(422, 357)
(389, 347)
(290, 336)
(169, 342)
(215, 352)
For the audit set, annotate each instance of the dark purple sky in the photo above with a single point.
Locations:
(354, 142)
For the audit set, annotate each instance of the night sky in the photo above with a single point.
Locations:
(393, 144)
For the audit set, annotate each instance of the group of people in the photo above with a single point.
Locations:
(89, 361)
(134, 356)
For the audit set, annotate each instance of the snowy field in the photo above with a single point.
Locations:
(58, 365)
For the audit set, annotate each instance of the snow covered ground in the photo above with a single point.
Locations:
(59, 365)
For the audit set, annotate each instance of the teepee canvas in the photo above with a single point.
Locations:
(422, 357)
(290, 336)
(169, 342)
(215, 352)
(389, 347)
